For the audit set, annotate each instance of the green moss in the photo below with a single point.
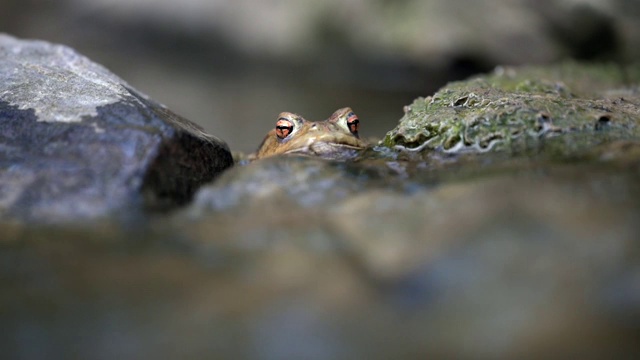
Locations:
(516, 109)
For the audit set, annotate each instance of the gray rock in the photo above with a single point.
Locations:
(78, 142)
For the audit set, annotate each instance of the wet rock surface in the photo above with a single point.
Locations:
(77, 142)
(399, 254)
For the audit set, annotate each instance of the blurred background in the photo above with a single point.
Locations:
(233, 65)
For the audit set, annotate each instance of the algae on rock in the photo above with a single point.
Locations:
(568, 108)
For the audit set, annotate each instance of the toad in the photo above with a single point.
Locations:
(334, 138)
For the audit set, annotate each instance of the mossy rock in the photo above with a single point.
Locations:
(566, 108)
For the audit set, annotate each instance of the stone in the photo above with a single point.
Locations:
(77, 142)
(566, 109)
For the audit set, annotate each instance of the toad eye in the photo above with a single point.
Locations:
(284, 127)
(353, 123)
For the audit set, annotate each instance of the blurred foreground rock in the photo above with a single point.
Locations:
(77, 142)
(524, 259)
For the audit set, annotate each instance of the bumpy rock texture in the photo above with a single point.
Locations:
(78, 142)
(522, 109)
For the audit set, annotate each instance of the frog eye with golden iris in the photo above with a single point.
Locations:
(284, 128)
(353, 123)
